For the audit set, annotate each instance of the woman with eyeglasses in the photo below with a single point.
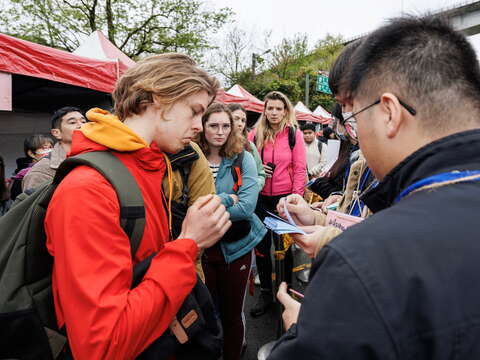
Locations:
(281, 147)
(227, 264)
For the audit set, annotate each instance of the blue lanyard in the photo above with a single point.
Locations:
(357, 206)
(365, 178)
(439, 179)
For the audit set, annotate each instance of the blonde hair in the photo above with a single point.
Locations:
(165, 79)
(235, 142)
(264, 132)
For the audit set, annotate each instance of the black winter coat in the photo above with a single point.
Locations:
(403, 284)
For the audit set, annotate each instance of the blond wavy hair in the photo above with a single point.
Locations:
(235, 142)
(165, 78)
(264, 132)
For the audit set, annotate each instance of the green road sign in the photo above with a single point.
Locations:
(322, 84)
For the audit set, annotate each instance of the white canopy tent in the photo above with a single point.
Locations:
(320, 111)
(97, 46)
(300, 106)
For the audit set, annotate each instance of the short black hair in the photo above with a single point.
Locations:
(327, 132)
(424, 62)
(34, 142)
(336, 76)
(60, 113)
(337, 112)
(308, 126)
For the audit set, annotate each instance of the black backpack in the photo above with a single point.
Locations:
(181, 161)
(28, 327)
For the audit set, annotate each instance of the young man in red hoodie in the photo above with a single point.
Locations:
(158, 108)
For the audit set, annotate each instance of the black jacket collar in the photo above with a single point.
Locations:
(459, 151)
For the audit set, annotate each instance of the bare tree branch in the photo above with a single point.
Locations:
(110, 26)
(143, 26)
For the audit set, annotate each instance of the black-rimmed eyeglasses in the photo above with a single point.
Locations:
(407, 107)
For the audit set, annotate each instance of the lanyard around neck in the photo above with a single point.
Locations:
(439, 180)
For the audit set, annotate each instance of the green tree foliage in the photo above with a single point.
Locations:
(291, 62)
(289, 55)
(136, 27)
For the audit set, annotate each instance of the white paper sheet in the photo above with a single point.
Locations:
(333, 149)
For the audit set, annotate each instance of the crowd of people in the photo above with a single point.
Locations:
(399, 284)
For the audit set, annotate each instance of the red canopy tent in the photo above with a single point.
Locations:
(253, 104)
(226, 98)
(97, 46)
(30, 59)
(237, 94)
(35, 80)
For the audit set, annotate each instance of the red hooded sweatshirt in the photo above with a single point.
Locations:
(92, 261)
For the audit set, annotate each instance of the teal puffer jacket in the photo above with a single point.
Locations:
(244, 209)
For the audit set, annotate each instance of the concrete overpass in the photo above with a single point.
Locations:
(464, 17)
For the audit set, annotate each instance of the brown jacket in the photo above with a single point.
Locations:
(44, 170)
(200, 183)
(200, 180)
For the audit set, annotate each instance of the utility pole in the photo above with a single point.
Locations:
(256, 57)
(307, 89)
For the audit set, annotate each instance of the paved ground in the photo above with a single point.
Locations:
(264, 328)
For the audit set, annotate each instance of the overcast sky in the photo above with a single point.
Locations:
(348, 18)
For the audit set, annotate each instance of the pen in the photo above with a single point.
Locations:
(296, 293)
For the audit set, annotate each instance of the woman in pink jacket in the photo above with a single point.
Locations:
(282, 150)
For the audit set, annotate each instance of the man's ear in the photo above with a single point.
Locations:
(56, 133)
(392, 109)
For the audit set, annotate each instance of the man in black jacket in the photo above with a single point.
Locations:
(402, 284)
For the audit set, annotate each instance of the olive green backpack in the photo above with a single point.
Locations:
(28, 326)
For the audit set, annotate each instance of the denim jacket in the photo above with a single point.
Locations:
(244, 209)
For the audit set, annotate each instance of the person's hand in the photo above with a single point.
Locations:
(206, 221)
(234, 197)
(332, 199)
(292, 307)
(268, 171)
(297, 208)
(313, 242)
(317, 205)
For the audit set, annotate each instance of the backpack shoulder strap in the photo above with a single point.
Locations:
(237, 171)
(292, 137)
(182, 161)
(132, 210)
